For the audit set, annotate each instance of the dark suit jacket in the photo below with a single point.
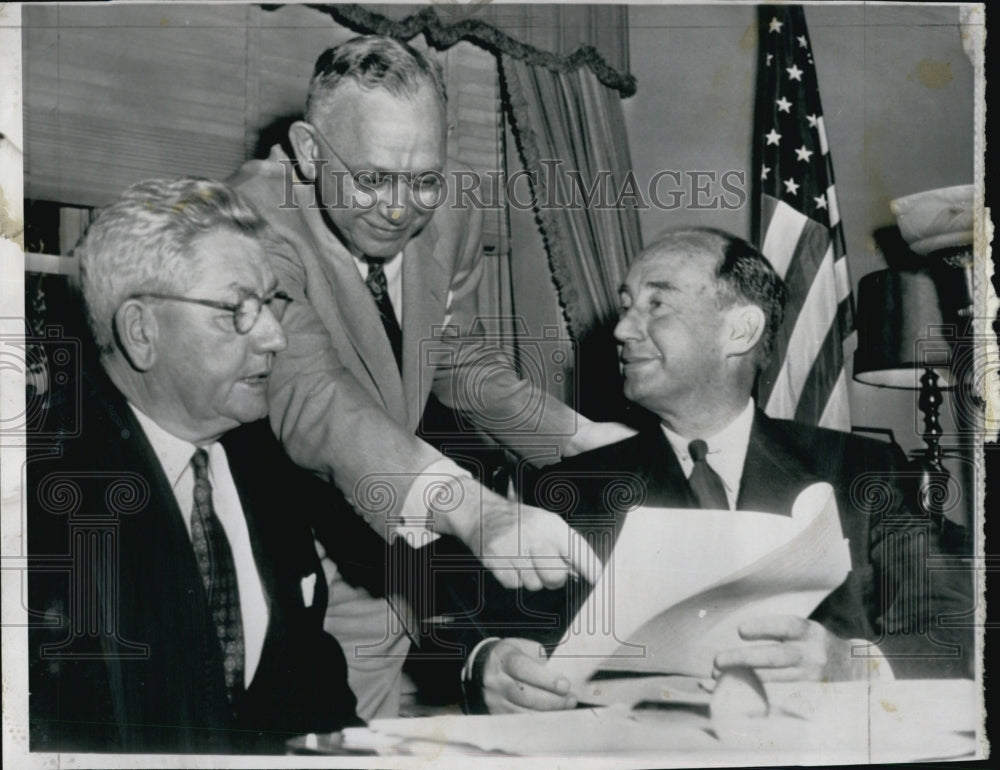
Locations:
(892, 596)
(132, 662)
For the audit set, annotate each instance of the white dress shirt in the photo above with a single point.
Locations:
(175, 456)
(727, 451)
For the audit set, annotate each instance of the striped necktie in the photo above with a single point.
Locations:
(379, 287)
(218, 573)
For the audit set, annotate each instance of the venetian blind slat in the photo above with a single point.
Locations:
(112, 99)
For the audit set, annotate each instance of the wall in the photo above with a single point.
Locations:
(897, 93)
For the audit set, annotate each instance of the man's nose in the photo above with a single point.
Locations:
(395, 201)
(268, 336)
(626, 329)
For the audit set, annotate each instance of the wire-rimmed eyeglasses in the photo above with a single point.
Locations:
(425, 186)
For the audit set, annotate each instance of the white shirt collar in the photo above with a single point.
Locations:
(173, 453)
(390, 265)
(727, 450)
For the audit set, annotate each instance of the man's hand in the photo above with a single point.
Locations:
(521, 545)
(515, 679)
(800, 650)
(591, 435)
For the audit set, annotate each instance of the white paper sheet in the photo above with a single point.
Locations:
(680, 582)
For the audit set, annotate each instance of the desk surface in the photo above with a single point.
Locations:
(809, 723)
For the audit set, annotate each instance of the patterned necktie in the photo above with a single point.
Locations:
(705, 483)
(379, 287)
(218, 573)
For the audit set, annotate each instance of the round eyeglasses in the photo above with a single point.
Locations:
(245, 312)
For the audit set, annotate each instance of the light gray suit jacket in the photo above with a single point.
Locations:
(337, 400)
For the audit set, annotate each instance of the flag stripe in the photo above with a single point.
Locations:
(827, 366)
(813, 247)
(843, 279)
(832, 207)
(783, 225)
(838, 408)
(816, 318)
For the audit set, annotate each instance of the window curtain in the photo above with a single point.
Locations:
(571, 133)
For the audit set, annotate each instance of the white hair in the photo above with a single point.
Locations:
(142, 243)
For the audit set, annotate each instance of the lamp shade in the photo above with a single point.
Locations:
(900, 330)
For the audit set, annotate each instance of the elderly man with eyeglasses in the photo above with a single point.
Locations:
(179, 596)
(384, 264)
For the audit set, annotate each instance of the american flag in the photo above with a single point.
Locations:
(798, 228)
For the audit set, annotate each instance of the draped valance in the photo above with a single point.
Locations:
(560, 38)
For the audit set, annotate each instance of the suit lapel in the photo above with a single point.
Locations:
(128, 449)
(666, 484)
(772, 474)
(256, 462)
(358, 314)
(425, 286)
(257, 499)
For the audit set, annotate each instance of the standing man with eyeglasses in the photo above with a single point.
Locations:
(178, 597)
(384, 268)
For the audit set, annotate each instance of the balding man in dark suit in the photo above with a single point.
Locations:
(699, 311)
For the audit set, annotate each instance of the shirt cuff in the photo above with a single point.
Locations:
(435, 481)
(879, 669)
(472, 676)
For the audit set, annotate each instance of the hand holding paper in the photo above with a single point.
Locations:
(515, 679)
(800, 650)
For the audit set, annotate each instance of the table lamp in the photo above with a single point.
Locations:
(902, 344)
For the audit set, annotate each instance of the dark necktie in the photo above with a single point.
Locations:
(218, 573)
(705, 483)
(379, 287)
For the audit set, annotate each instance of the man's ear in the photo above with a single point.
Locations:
(300, 135)
(137, 331)
(744, 329)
